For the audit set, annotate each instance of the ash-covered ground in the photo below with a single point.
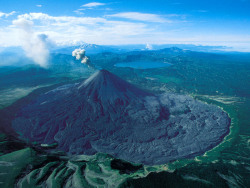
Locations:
(107, 114)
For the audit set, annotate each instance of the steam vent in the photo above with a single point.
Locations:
(107, 114)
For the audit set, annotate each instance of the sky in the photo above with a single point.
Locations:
(106, 22)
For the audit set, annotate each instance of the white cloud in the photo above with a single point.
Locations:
(39, 5)
(109, 30)
(70, 30)
(2, 14)
(33, 44)
(62, 20)
(141, 17)
(79, 11)
(93, 4)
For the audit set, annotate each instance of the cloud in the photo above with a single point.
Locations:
(68, 30)
(108, 30)
(93, 4)
(141, 17)
(60, 20)
(79, 11)
(88, 6)
(33, 44)
(2, 14)
(39, 5)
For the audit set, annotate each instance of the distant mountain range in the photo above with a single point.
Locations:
(93, 48)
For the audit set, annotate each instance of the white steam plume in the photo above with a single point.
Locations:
(149, 47)
(34, 45)
(80, 55)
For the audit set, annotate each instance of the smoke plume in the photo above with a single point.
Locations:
(34, 45)
(80, 55)
(149, 47)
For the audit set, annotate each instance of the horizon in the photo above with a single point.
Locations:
(213, 23)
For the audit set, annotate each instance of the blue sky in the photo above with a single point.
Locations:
(214, 22)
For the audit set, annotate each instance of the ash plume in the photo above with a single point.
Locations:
(79, 54)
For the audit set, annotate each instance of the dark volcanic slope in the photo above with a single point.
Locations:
(107, 114)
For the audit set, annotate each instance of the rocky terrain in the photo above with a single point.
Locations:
(25, 166)
(109, 115)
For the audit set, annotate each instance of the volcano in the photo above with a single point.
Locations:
(107, 114)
